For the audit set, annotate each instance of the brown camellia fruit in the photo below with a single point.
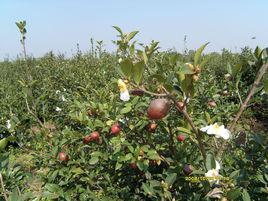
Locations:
(115, 129)
(137, 92)
(95, 136)
(90, 112)
(133, 165)
(158, 108)
(152, 127)
(212, 103)
(187, 169)
(86, 139)
(63, 157)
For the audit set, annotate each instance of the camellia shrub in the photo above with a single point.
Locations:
(138, 125)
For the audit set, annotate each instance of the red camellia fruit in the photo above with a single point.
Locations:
(115, 129)
(133, 165)
(158, 108)
(63, 157)
(181, 138)
(187, 169)
(152, 127)
(95, 136)
(87, 139)
(212, 103)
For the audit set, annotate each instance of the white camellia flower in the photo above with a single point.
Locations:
(213, 174)
(124, 94)
(218, 131)
(8, 124)
(120, 60)
(63, 98)
(58, 109)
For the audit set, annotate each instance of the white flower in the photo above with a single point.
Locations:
(58, 109)
(64, 89)
(188, 99)
(8, 124)
(58, 91)
(120, 60)
(218, 167)
(213, 175)
(124, 96)
(218, 131)
(63, 98)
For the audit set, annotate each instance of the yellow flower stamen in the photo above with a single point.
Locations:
(121, 85)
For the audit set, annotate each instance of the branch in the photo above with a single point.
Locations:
(32, 113)
(259, 76)
(3, 187)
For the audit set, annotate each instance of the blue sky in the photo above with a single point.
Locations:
(59, 25)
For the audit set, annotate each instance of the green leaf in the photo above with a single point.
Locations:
(208, 119)
(126, 67)
(185, 69)
(125, 110)
(184, 130)
(245, 195)
(93, 160)
(233, 194)
(210, 162)
(3, 144)
(147, 189)
(171, 178)
(265, 84)
(118, 29)
(132, 35)
(198, 54)
(138, 70)
(118, 165)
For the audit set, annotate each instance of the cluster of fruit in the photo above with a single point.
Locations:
(157, 110)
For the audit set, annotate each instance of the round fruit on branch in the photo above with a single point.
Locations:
(115, 129)
(181, 138)
(158, 108)
(212, 103)
(86, 139)
(95, 136)
(152, 127)
(187, 169)
(63, 157)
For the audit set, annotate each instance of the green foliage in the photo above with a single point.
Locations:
(53, 102)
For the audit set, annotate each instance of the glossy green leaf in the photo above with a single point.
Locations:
(126, 67)
(138, 70)
(198, 54)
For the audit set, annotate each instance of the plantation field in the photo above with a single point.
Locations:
(136, 124)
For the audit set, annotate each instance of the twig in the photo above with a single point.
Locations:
(32, 113)
(171, 140)
(3, 187)
(259, 76)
